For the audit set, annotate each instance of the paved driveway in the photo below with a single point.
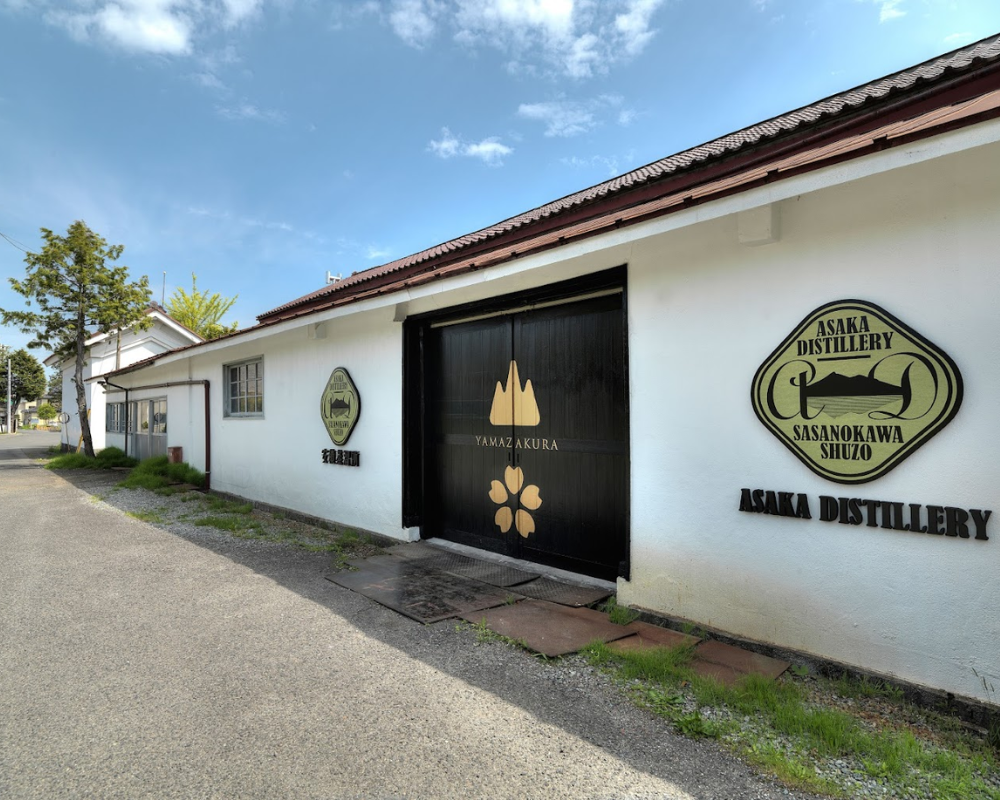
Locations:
(136, 663)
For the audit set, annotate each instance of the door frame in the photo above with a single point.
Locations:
(415, 370)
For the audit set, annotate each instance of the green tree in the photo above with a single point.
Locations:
(28, 381)
(55, 388)
(201, 311)
(78, 293)
(47, 411)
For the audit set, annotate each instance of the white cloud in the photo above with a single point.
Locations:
(562, 118)
(577, 38)
(251, 112)
(153, 26)
(572, 117)
(413, 20)
(958, 39)
(610, 165)
(445, 147)
(374, 253)
(235, 11)
(160, 27)
(344, 15)
(633, 25)
(889, 10)
(490, 150)
(208, 80)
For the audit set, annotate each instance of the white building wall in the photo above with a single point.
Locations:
(276, 458)
(914, 236)
(705, 312)
(101, 359)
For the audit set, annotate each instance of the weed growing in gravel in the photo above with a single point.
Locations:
(620, 615)
(485, 635)
(846, 686)
(223, 506)
(236, 525)
(147, 516)
(780, 727)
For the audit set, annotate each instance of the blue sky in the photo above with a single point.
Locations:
(261, 143)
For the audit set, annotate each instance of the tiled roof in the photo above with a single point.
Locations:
(875, 94)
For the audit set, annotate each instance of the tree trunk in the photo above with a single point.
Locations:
(81, 393)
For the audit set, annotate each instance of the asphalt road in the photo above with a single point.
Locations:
(135, 663)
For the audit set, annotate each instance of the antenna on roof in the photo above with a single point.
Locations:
(163, 292)
(331, 278)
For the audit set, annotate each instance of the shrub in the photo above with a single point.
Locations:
(106, 459)
(114, 457)
(158, 473)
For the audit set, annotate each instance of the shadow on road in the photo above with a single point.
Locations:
(563, 694)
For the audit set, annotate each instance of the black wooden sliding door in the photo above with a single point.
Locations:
(526, 434)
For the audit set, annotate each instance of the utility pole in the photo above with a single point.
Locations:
(10, 380)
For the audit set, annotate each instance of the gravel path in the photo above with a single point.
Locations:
(174, 660)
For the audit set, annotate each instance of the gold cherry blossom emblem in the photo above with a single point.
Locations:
(530, 499)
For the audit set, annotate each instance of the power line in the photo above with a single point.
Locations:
(14, 242)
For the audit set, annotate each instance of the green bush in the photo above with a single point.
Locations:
(72, 461)
(158, 473)
(114, 457)
(106, 459)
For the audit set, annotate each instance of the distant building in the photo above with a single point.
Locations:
(754, 383)
(105, 353)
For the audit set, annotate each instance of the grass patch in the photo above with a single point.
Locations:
(619, 615)
(781, 727)
(864, 686)
(153, 517)
(158, 475)
(222, 506)
(107, 458)
(484, 636)
(232, 524)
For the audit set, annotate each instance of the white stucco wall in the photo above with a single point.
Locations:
(276, 458)
(911, 229)
(705, 312)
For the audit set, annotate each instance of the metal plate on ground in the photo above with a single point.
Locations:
(728, 663)
(494, 574)
(425, 595)
(485, 571)
(434, 558)
(563, 593)
(549, 628)
(648, 636)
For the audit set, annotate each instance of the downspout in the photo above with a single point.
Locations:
(208, 418)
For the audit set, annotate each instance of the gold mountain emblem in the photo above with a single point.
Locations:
(512, 405)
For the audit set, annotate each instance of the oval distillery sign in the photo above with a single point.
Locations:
(853, 391)
(340, 406)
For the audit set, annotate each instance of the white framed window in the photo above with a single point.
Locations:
(158, 417)
(115, 418)
(244, 388)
